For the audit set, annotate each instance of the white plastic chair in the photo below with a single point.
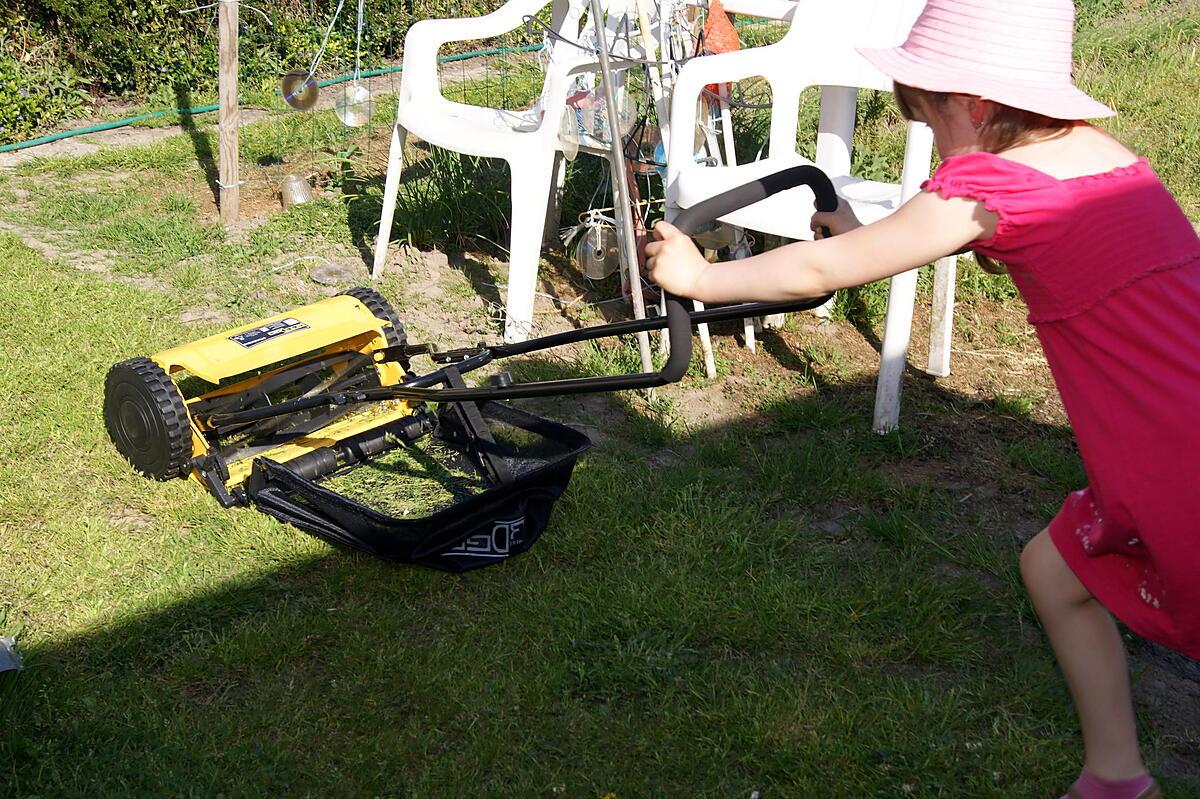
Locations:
(762, 10)
(528, 140)
(817, 51)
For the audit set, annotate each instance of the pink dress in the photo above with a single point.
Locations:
(1109, 267)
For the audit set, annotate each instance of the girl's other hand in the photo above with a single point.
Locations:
(838, 221)
(673, 262)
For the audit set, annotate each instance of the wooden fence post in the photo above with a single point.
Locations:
(227, 93)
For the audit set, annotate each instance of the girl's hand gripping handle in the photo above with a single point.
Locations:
(673, 260)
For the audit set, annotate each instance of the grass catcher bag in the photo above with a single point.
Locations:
(496, 473)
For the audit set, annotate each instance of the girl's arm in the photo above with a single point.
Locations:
(924, 229)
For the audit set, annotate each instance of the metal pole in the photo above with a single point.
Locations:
(624, 213)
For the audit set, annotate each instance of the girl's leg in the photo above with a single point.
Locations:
(1092, 658)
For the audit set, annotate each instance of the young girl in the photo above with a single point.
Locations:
(1109, 267)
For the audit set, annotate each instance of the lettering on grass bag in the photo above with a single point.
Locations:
(504, 536)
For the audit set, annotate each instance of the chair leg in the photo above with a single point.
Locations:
(750, 326)
(941, 326)
(391, 187)
(826, 310)
(773, 321)
(550, 233)
(748, 335)
(710, 365)
(530, 196)
(897, 328)
(902, 293)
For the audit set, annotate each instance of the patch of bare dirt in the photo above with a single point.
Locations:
(987, 580)
(89, 261)
(1168, 684)
(258, 198)
(73, 146)
(129, 519)
(451, 300)
(95, 261)
(145, 283)
(321, 273)
(205, 316)
(720, 403)
(926, 472)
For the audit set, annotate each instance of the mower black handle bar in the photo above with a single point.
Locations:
(678, 322)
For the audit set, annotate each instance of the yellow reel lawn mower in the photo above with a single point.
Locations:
(273, 413)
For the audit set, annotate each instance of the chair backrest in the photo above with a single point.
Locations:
(620, 26)
(827, 33)
(817, 51)
(823, 36)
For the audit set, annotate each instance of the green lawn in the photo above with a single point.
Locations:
(743, 589)
(683, 628)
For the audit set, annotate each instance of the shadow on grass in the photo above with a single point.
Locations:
(204, 154)
(791, 547)
(363, 198)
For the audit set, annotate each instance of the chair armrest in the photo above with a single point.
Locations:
(423, 39)
(722, 68)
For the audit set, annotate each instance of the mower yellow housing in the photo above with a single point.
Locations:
(157, 408)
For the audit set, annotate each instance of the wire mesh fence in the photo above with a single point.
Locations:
(337, 141)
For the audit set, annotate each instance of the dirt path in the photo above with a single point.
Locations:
(86, 143)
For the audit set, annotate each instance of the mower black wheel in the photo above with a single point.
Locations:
(381, 309)
(146, 418)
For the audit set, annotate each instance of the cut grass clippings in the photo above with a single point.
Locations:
(409, 481)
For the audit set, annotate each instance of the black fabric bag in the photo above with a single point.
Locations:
(503, 520)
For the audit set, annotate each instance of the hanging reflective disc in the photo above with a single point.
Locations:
(598, 252)
(299, 89)
(353, 105)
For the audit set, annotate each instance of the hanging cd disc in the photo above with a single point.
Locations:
(299, 89)
(594, 115)
(598, 253)
(353, 105)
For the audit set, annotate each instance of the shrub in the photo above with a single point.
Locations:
(33, 97)
(126, 47)
(132, 47)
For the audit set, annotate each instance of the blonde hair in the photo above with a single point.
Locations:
(1004, 128)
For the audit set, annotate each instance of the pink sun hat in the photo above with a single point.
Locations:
(1015, 52)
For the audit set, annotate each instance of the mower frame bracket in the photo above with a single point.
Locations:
(480, 441)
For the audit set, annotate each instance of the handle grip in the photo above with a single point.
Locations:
(690, 219)
(725, 203)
